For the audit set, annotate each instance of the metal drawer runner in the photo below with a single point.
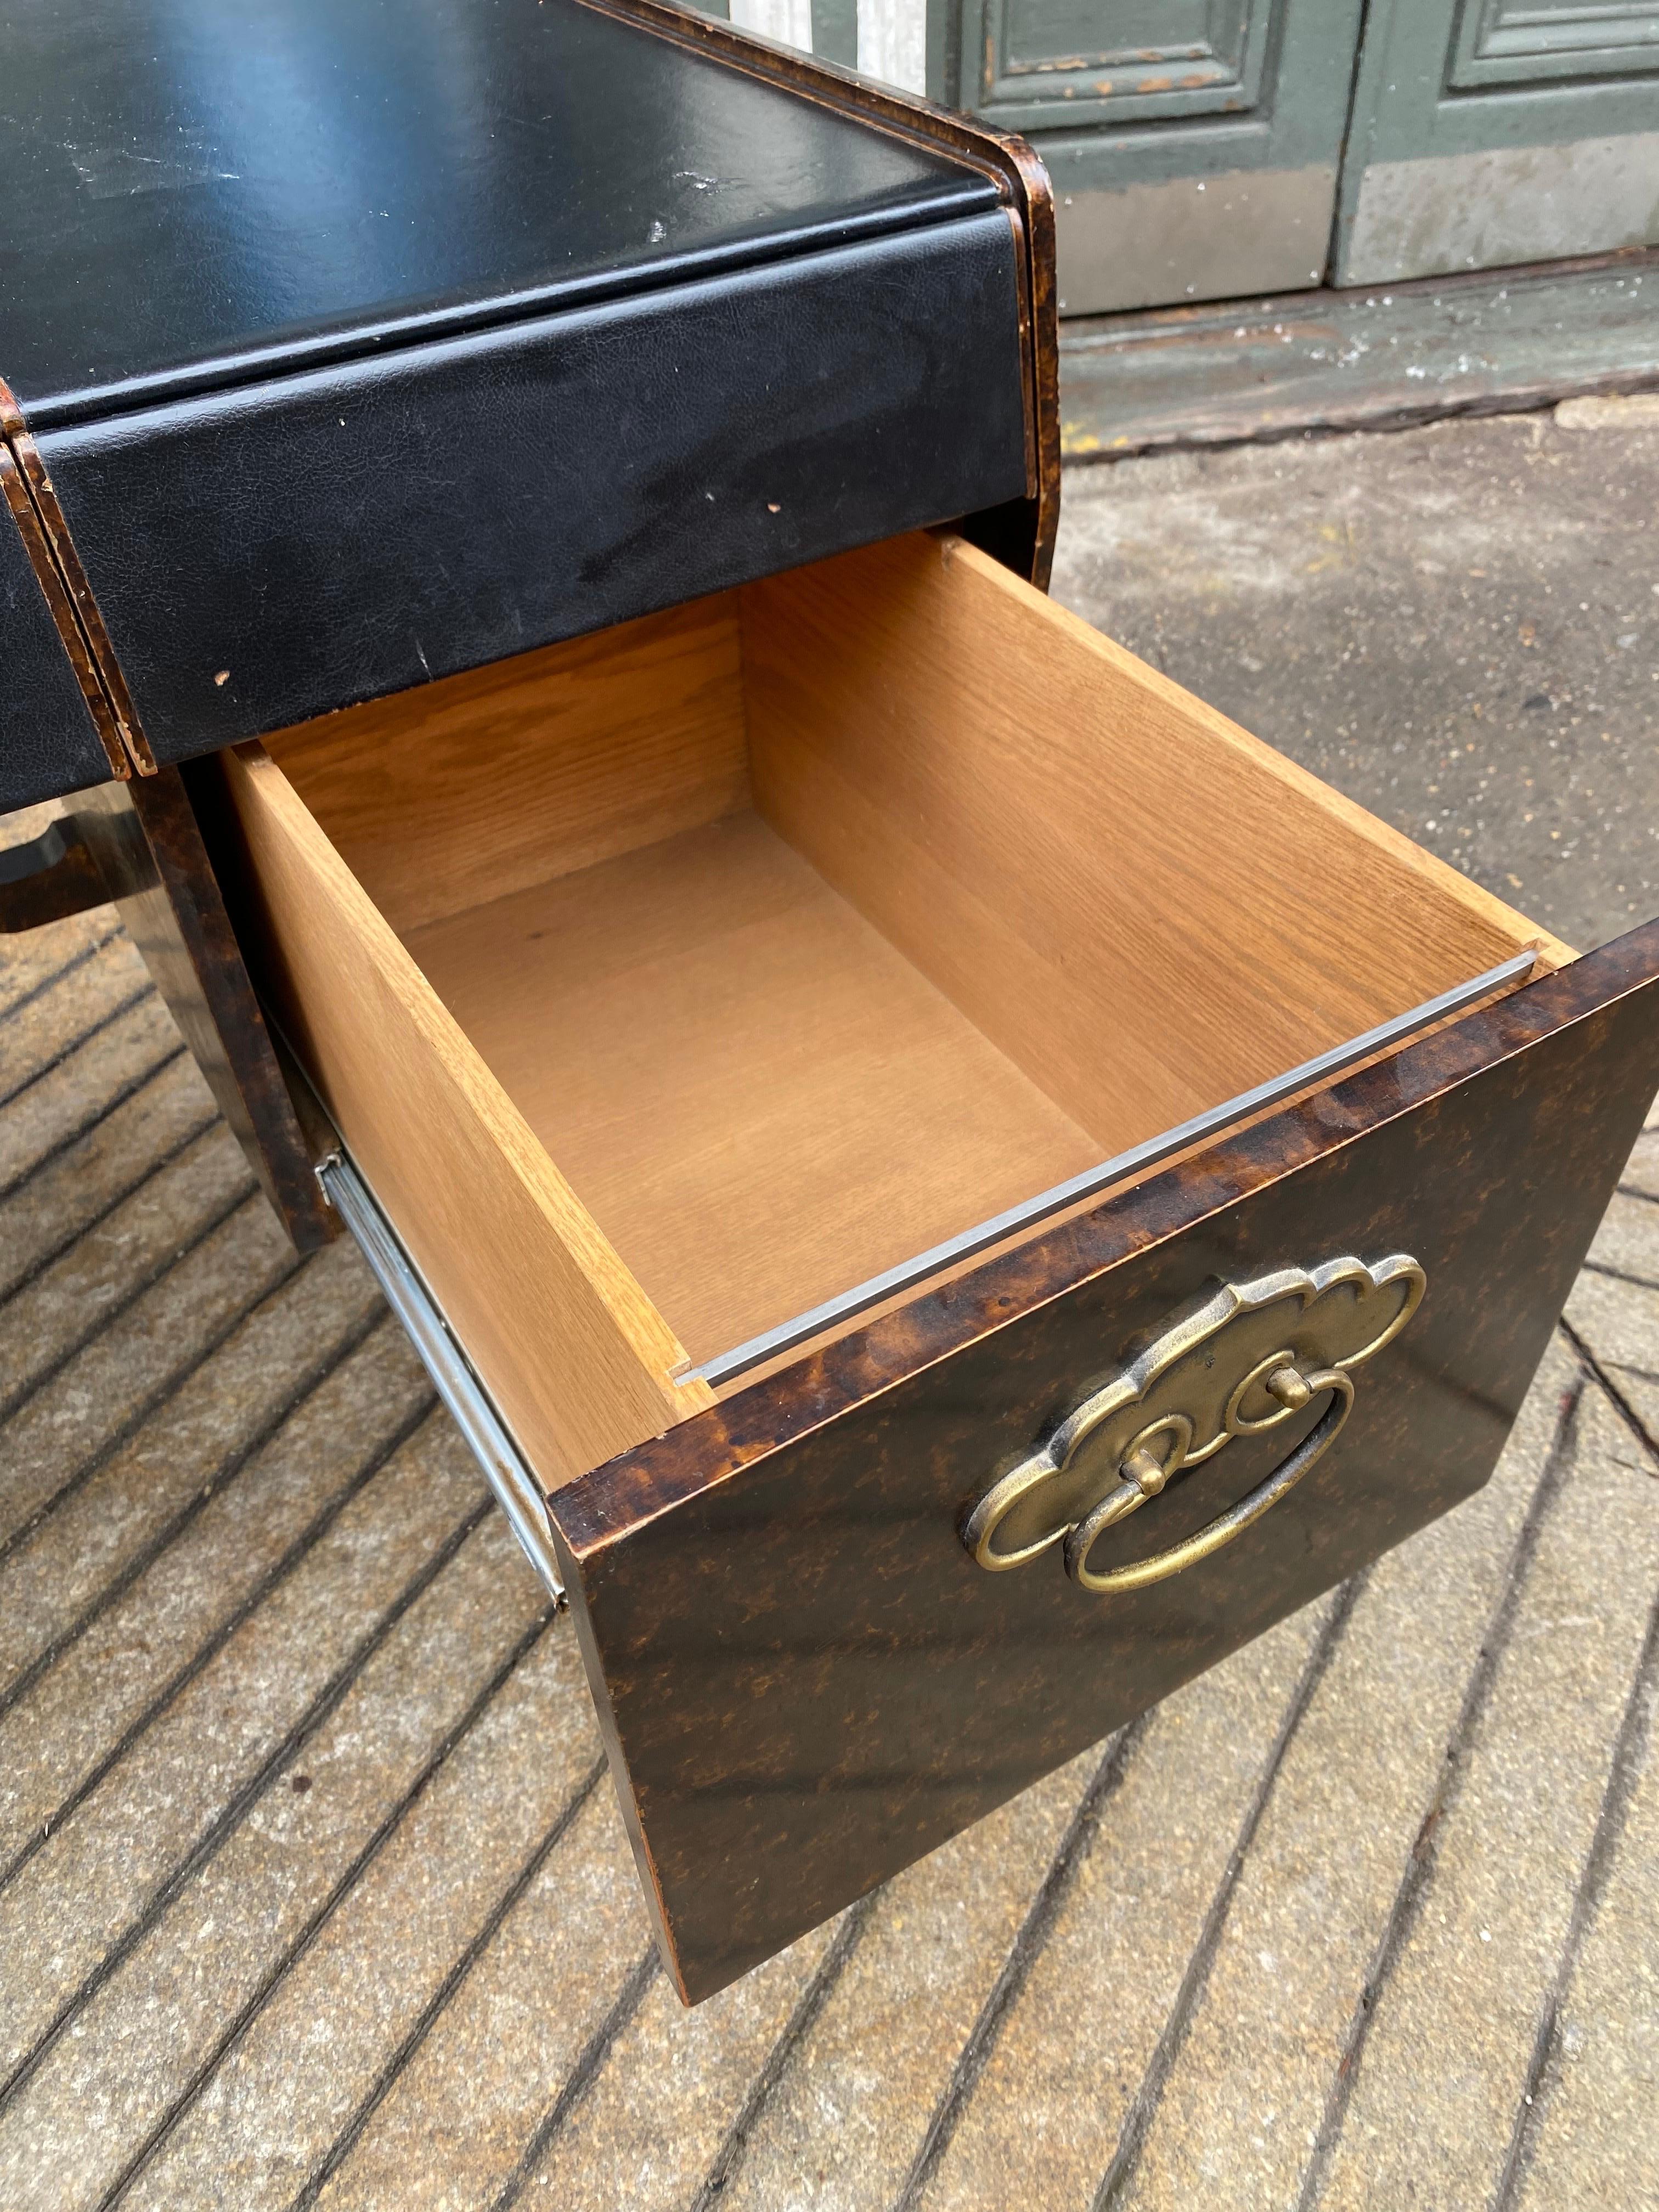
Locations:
(516, 1490)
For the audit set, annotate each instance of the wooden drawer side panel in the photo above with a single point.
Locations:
(1148, 909)
(463, 791)
(576, 1356)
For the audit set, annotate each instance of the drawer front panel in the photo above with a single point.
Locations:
(809, 1682)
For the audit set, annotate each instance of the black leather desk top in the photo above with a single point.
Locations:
(364, 341)
(192, 189)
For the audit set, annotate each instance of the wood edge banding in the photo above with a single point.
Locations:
(68, 591)
(59, 605)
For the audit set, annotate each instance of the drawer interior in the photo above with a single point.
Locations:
(760, 1101)
(801, 929)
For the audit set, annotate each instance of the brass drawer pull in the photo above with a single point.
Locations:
(1134, 1490)
(1250, 1356)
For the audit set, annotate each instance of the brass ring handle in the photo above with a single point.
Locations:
(1234, 1362)
(1294, 1391)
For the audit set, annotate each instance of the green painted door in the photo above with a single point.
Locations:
(1207, 149)
(1195, 145)
(1500, 131)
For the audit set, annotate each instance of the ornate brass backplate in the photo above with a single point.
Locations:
(1244, 1360)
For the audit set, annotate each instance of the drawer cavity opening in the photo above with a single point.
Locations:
(698, 977)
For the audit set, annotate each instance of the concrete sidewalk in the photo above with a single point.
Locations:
(1458, 626)
(312, 1890)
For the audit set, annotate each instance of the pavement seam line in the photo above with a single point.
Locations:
(1624, 1774)
(822, 1982)
(1030, 1942)
(38, 1267)
(232, 1813)
(64, 1052)
(1624, 1367)
(1143, 2106)
(67, 1142)
(59, 974)
(582, 2077)
(311, 1380)
(1420, 1859)
(1398, 419)
(1619, 1275)
(218, 1637)
(1615, 1397)
(340, 2149)
(106, 1316)
(145, 990)
(169, 1386)
(231, 2037)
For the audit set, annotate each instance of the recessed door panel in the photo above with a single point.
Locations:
(1498, 133)
(1194, 144)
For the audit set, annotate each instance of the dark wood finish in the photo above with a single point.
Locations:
(1022, 534)
(140, 844)
(804, 1681)
(48, 735)
(50, 877)
(154, 863)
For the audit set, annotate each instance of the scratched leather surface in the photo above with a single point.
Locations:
(186, 185)
(364, 344)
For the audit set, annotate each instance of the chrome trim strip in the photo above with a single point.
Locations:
(516, 1490)
(728, 1364)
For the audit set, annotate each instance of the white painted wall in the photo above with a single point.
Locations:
(892, 34)
(788, 20)
(893, 41)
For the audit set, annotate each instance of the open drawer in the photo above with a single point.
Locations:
(763, 1026)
